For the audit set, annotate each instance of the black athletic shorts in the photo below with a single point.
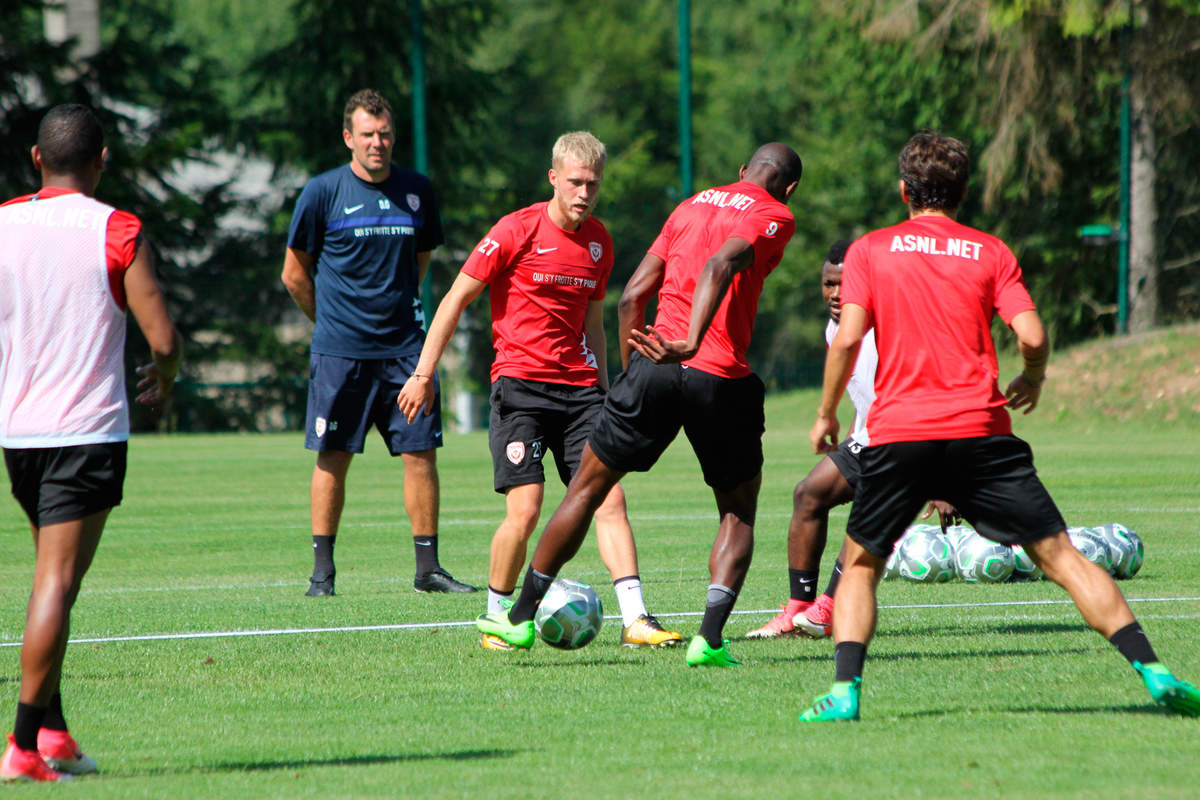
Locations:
(530, 417)
(346, 396)
(990, 480)
(848, 460)
(64, 484)
(648, 404)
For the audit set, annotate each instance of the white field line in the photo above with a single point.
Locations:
(408, 626)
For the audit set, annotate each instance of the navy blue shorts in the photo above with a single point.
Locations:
(346, 396)
(530, 417)
(989, 479)
(648, 404)
(64, 484)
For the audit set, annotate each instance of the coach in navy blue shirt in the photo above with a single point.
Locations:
(358, 248)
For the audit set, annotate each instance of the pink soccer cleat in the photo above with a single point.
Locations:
(26, 765)
(782, 624)
(817, 619)
(60, 751)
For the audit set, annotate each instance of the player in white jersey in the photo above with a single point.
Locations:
(69, 267)
(830, 483)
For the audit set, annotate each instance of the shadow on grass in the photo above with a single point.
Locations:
(1070, 710)
(915, 655)
(345, 761)
(972, 628)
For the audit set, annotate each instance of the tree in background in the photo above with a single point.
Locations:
(1047, 72)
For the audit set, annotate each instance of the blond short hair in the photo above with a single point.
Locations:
(580, 146)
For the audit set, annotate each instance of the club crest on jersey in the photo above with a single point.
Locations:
(515, 452)
(596, 250)
(414, 202)
(384, 204)
(319, 427)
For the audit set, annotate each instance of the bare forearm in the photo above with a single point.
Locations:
(1033, 344)
(711, 286)
(839, 364)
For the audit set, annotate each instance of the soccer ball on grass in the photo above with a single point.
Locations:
(1124, 547)
(1093, 547)
(570, 615)
(1023, 567)
(980, 560)
(925, 556)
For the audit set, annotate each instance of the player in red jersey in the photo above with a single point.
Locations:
(70, 266)
(929, 287)
(689, 370)
(548, 267)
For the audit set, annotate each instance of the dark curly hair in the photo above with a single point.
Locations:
(934, 169)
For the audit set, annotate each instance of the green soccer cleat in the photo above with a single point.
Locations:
(840, 704)
(699, 654)
(1167, 690)
(520, 635)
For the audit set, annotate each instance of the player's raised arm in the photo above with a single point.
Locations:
(1025, 389)
(631, 308)
(839, 364)
(418, 394)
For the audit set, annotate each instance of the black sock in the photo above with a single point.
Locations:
(1131, 641)
(718, 605)
(532, 591)
(427, 554)
(803, 583)
(323, 556)
(54, 719)
(29, 720)
(848, 658)
(834, 578)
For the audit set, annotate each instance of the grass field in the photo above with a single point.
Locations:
(969, 689)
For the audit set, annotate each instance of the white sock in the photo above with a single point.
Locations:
(494, 599)
(629, 598)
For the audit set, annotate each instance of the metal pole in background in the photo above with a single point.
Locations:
(420, 142)
(1123, 229)
(685, 98)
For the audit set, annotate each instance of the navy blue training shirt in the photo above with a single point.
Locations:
(365, 238)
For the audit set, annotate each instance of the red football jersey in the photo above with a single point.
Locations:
(931, 287)
(120, 243)
(542, 280)
(692, 234)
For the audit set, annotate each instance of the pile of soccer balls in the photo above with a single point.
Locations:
(925, 555)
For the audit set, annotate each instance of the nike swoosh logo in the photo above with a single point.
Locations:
(352, 209)
(806, 580)
(545, 250)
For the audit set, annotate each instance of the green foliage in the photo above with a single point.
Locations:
(1032, 86)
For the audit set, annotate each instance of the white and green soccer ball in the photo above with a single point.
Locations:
(1093, 547)
(891, 569)
(980, 560)
(1023, 567)
(1125, 548)
(925, 555)
(957, 534)
(570, 615)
